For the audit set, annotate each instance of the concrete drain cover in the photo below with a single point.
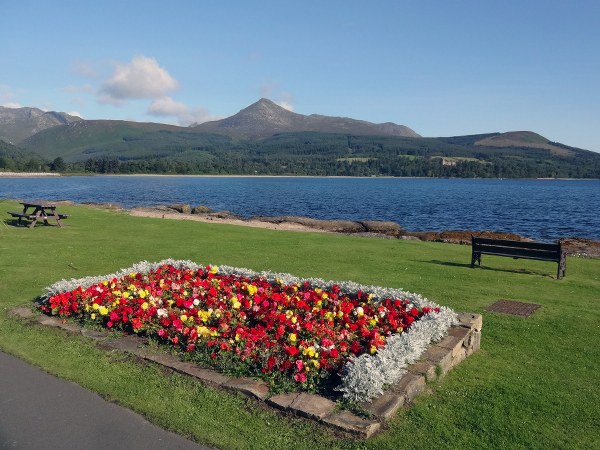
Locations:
(513, 308)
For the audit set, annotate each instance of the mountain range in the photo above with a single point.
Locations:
(265, 118)
(266, 138)
(17, 124)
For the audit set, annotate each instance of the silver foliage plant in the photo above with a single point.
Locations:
(364, 377)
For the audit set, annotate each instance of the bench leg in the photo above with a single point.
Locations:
(562, 266)
(475, 257)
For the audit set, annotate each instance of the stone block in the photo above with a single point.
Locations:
(459, 357)
(164, 359)
(347, 422)
(23, 312)
(410, 385)
(248, 386)
(452, 343)
(472, 321)
(474, 342)
(425, 368)
(49, 321)
(312, 406)
(70, 327)
(459, 332)
(126, 343)
(386, 405)
(441, 357)
(282, 401)
(205, 375)
(93, 334)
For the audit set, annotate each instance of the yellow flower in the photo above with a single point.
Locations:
(373, 349)
(95, 306)
(214, 269)
(237, 305)
(373, 322)
(204, 315)
(251, 289)
(360, 311)
(325, 296)
(294, 319)
(105, 283)
(292, 337)
(142, 293)
(203, 331)
(103, 310)
(93, 316)
(310, 351)
(145, 306)
(315, 363)
(183, 317)
(125, 294)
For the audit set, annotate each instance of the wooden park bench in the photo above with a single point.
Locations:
(519, 249)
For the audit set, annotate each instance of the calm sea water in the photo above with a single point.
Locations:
(542, 209)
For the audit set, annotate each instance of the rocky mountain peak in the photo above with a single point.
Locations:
(17, 124)
(265, 118)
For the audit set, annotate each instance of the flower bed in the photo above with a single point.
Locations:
(301, 334)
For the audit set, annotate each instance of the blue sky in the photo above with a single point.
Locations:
(442, 68)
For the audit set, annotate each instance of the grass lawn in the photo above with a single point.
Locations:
(534, 383)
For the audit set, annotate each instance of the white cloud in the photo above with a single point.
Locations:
(285, 104)
(272, 90)
(167, 107)
(141, 78)
(10, 105)
(75, 113)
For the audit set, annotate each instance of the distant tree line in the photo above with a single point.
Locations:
(317, 154)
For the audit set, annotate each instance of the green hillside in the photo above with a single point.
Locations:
(15, 158)
(131, 147)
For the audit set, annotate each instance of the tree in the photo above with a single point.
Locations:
(58, 165)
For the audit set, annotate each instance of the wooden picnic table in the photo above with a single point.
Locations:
(35, 211)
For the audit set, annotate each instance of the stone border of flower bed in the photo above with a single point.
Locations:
(439, 358)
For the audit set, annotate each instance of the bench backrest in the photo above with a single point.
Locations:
(517, 249)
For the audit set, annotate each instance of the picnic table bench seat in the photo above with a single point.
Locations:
(519, 249)
(31, 216)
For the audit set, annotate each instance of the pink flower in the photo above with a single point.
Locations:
(300, 377)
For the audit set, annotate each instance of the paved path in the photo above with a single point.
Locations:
(40, 411)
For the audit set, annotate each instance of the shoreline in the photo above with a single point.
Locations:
(574, 246)
(57, 174)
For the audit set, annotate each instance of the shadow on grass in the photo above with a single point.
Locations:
(467, 265)
(25, 224)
